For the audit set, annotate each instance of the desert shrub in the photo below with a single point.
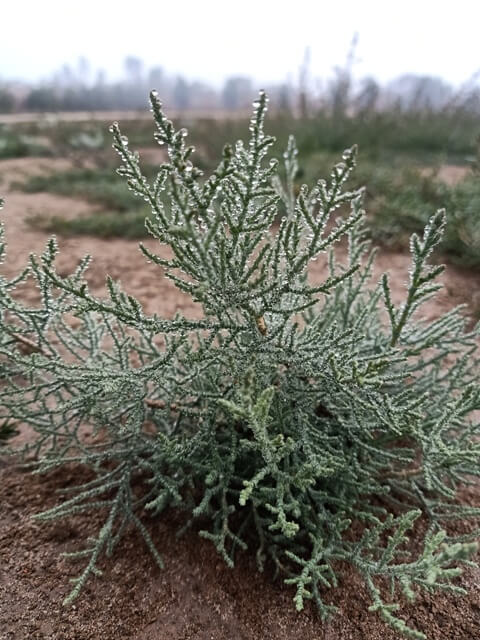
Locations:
(462, 237)
(314, 423)
(403, 203)
(410, 131)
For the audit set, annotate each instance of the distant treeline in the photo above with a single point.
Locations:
(80, 88)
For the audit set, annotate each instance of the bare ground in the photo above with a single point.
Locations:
(451, 174)
(196, 596)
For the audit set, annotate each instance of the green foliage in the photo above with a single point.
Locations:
(404, 206)
(103, 224)
(14, 144)
(411, 131)
(402, 197)
(288, 418)
(99, 186)
(7, 431)
(7, 101)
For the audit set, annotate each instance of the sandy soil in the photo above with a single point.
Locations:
(119, 258)
(449, 173)
(196, 596)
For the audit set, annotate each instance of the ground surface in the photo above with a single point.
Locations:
(196, 596)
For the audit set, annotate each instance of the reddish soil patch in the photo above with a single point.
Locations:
(196, 596)
(451, 174)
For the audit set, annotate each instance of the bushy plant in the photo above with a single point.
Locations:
(291, 418)
(14, 144)
(403, 206)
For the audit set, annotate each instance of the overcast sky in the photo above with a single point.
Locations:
(266, 39)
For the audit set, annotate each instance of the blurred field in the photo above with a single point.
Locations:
(109, 116)
(411, 162)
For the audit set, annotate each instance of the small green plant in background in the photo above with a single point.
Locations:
(103, 224)
(288, 419)
(99, 186)
(14, 144)
(404, 204)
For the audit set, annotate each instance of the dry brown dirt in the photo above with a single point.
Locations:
(196, 596)
(451, 174)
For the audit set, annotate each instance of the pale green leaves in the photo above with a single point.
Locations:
(421, 285)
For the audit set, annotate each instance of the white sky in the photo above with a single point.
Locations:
(266, 39)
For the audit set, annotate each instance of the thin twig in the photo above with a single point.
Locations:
(29, 345)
